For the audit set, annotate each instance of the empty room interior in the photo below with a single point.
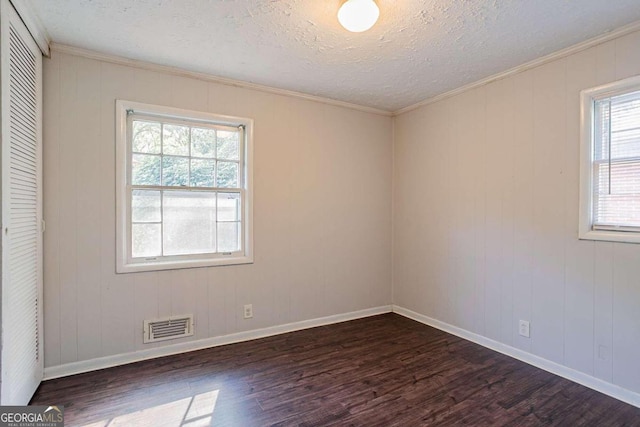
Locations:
(321, 213)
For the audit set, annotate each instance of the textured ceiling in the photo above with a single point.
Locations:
(418, 48)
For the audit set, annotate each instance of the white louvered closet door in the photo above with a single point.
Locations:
(21, 89)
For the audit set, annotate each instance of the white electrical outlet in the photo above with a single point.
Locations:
(248, 311)
(603, 352)
(523, 328)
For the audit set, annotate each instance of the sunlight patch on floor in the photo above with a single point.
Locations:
(195, 411)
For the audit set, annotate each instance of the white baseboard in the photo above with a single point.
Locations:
(604, 387)
(607, 388)
(137, 356)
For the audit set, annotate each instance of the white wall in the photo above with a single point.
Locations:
(322, 211)
(486, 219)
(485, 201)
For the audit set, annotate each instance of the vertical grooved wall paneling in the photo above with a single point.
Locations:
(486, 215)
(322, 214)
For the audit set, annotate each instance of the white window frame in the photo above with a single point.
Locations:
(124, 262)
(588, 97)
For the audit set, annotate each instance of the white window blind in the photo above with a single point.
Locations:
(616, 163)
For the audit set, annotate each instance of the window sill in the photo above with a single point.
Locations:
(176, 265)
(611, 236)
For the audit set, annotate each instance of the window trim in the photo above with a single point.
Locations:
(125, 264)
(587, 125)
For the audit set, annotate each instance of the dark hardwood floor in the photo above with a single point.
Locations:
(380, 371)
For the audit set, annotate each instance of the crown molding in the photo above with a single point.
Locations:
(33, 24)
(72, 50)
(114, 59)
(614, 34)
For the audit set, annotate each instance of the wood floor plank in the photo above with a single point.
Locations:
(380, 371)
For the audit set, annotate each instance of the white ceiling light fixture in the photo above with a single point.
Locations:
(358, 15)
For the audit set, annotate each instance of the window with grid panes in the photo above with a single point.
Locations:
(184, 188)
(610, 168)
